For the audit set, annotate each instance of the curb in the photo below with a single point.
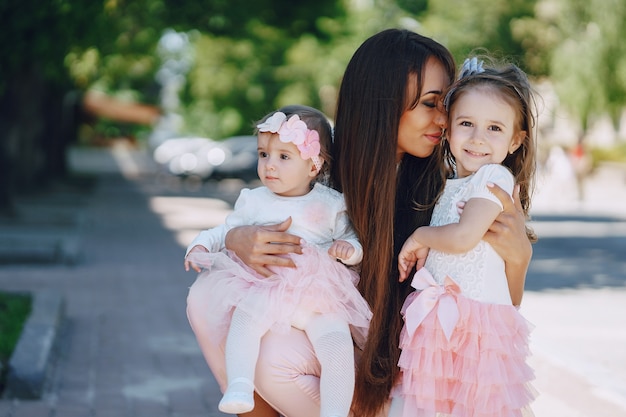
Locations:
(30, 364)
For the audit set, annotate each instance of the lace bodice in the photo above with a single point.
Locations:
(479, 272)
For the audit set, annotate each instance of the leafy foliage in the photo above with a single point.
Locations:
(250, 57)
(14, 310)
(579, 45)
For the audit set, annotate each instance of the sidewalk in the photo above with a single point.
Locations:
(126, 348)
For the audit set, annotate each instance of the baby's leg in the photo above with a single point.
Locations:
(332, 342)
(242, 352)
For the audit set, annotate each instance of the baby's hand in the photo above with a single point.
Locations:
(341, 249)
(412, 254)
(189, 264)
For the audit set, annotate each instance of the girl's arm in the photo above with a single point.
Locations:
(477, 217)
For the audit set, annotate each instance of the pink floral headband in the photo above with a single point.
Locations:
(295, 131)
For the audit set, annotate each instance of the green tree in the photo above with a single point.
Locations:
(464, 25)
(51, 49)
(580, 45)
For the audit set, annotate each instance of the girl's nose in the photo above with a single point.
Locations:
(477, 137)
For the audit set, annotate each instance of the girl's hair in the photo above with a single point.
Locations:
(379, 196)
(315, 120)
(509, 83)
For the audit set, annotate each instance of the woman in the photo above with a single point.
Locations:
(388, 124)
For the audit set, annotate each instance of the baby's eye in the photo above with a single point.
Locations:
(465, 123)
(284, 156)
(262, 154)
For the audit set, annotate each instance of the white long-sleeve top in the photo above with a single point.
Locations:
(318, 217)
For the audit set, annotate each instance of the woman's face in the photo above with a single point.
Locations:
(420, 128)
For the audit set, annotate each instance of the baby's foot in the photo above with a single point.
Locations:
(238, 398)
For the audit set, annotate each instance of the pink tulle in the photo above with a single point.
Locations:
(318, 283)
(480, 372)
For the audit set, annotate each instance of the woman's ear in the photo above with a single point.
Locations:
(517, 141)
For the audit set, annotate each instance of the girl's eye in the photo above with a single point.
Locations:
(283, 156)
(465, 123)
(495, 128)
(262, 154)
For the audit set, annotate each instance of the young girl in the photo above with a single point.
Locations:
(319, 296)
(464, 343)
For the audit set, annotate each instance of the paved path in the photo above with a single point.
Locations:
(127, 349)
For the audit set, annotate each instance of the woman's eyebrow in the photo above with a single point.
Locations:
(432, 92)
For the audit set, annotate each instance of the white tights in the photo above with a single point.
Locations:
(333, 347)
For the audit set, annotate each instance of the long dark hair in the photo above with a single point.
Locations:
(379, 197)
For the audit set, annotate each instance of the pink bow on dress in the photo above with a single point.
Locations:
(431, 295)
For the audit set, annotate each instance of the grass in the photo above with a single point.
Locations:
(14, 310)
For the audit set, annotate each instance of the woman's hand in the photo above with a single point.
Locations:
(189, 264)
(507, 235)
(258, 246)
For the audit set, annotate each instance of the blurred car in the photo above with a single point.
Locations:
(235, 157)
(240, 158)
(188, 156)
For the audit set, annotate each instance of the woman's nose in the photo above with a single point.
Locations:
(441, 117)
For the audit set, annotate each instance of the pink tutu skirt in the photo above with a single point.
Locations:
(318, 284)
(472, 366)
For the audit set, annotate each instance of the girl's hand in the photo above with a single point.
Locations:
(189, 264)
(259, 246)
(413, 253)
(341, 249)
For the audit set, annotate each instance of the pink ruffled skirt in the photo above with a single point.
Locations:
(318, 284)
(480, 371)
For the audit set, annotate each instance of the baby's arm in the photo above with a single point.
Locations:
(213, 240)
(346, 246)
(189, 264)
(341, 250)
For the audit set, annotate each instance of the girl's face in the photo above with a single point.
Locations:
(420, 128)
(281, 168)
(482, 130)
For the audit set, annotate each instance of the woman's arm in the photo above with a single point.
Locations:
(259, 246)
(507, 235)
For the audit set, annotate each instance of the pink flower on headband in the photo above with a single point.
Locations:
(293, 130)
(310, 147)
